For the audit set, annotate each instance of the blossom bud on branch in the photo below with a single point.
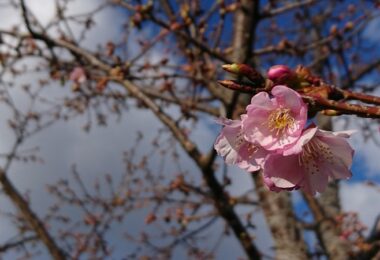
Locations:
(247, 71)
(319, 95)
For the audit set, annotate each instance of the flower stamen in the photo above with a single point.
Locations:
(280, 120)
(312, 154)
(252, 149)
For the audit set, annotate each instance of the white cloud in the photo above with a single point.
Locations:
(366, 143)
(43, 10)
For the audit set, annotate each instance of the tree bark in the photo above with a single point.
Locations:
(278, 211)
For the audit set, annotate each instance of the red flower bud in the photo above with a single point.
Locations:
(281, 74)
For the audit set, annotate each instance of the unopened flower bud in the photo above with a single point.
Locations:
(230, 84)
(281, 74)
(245, 71)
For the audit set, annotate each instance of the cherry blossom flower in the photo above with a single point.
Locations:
(317, 157)
(78, 75)
(275, 123)
(232, 146)
(272, 137)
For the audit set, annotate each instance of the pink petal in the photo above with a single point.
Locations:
(235, 150)
(300, 117)
(257, 158)
(281, 142)
(339, 147)
(306, 136)
(339, 171)
(269, 183)
(224, 148)
(313, 183)
(284, 171)
(228, 122)
(260, 100)
(226, 142)
(249, 167)
(254, 128)
(282, 183)
(342, 157)
(345, 134)
(287, 97)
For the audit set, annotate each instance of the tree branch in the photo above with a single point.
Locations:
(287, 8)
(5, 247)
(31, 217)
(327, 230)
(221, 200)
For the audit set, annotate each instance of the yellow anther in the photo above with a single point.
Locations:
(280, 120)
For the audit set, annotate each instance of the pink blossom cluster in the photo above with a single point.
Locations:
(273, 136)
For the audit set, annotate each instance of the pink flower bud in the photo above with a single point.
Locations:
(281, 74)
(78, 75)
